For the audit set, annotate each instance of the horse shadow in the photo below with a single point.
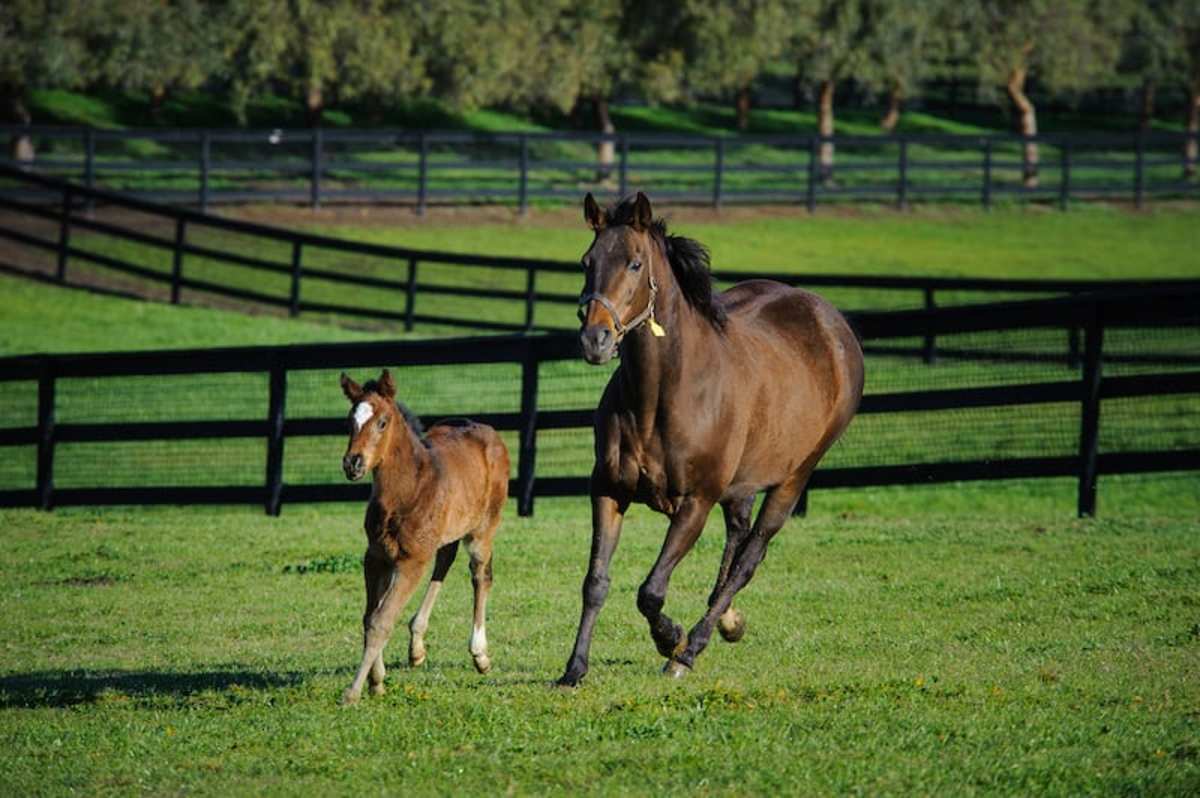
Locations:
(65, 688)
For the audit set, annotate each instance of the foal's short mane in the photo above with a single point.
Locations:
(689, 261)
(410, 418)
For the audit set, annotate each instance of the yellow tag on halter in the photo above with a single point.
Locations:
(656, 328)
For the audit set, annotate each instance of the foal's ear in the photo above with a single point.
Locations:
(351, 388)
(591, 212)
(643, 216)
(387, 386)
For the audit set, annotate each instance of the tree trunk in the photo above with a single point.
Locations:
(825, 129)
(314, 104)
(1191, 147)
(158, 95)
(800, 90)
(14, 112)
(1146, 115)
(892, 117)
(606, 149)
(1027, 125)
(742, 106)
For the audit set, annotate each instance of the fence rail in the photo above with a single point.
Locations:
(519, 304)
(420, 167)
(30, 388)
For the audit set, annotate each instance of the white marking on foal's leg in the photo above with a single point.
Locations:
(479, 648)
(420, 623)
(362, 414)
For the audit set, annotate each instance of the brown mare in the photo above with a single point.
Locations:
(429, 492)
(718, 397)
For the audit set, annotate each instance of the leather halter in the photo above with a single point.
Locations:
(632, 324)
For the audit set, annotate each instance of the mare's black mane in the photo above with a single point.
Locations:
(689, 261)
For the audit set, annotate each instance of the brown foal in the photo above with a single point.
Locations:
(719, 396)
(428, 493)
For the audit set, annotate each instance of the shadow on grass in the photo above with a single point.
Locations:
(71, 687)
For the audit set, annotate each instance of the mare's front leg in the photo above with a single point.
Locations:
(607, 514)
(379, 623)
(685, 529)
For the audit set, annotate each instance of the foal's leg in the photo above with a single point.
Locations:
(607, 514)
(376, 574)
(420, 621)
(379, 624)
(776, 509)
(686, 526)
(479, 547)
(732, 624)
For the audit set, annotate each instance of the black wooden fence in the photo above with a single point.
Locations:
(420, 167)
(1121, 363)
(166, 230)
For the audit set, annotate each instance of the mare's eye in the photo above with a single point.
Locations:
(382, 422)
(635, 265)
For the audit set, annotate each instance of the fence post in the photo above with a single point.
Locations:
(718, 171)
(1139, 172)
(902, 168)
(929, 352)
(530, 296)
(987, 174)
(177, 260)
(1089, 433)
(1064, 180)
(811, 189)
(623, 170)
(276, 412)
(422, 171)
(523, 185)
(205, 162)
(45, 439)
(314, 192)
(410, 294)
(1072, 347)
(527, 456)
(64, 235)
(294, 299)
(89, 164)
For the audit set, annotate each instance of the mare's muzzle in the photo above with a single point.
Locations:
(598, 343)
(354, 467)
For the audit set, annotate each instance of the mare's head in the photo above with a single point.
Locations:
(631, 263)
(374, 419)
(619, 287)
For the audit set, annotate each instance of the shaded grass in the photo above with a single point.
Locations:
(896, 644)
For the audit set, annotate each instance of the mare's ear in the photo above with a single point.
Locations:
(351, 388)
(387, 386)
(591, 212)
(643, 216)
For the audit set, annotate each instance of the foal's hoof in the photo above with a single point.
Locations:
(675, 669)
(732, 625)
(378, 689)
(349, 698)
(483, 663)
(416, 658)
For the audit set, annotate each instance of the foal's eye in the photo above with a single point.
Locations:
(635, 265)
(382, 422)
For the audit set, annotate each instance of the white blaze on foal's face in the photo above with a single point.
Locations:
(362, 414)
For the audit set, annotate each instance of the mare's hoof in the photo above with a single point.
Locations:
(569, 681)
(732, 625)
(675, 669)
(378, 689)
(349, 698)
(482, 663)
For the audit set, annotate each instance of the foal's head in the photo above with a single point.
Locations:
(374, 419)
(619, 285)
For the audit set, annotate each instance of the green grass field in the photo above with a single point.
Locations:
(899, 642)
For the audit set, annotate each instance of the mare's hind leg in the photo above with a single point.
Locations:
(420, 621)
(479, 547)
(376, 574)
(776, 509)
(686, 526)
(732, 624)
